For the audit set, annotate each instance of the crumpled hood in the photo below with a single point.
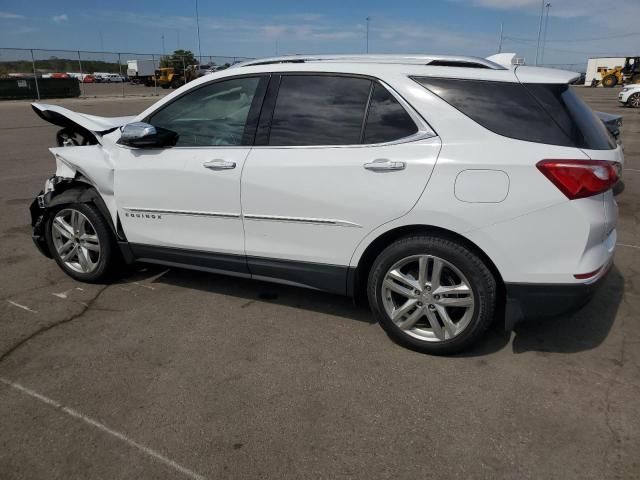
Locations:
(64, 117)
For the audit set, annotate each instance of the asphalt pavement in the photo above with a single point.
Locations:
(170, 373)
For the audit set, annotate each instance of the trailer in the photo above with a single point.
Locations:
(142, 71)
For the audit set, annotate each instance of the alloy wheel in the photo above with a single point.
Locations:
(428, 298)
(75, 240)
(634, 101)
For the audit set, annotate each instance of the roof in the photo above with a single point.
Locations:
(433, 60)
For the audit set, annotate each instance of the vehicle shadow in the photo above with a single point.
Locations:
(580, 331)
(570, 333)
(259, 291)
(583, 330)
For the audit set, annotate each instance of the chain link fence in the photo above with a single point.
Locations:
(108, 74)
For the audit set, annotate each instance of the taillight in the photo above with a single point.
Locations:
(580, 178)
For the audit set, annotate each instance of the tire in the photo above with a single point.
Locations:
(609, 81)
(175, 84)
(99, 265)
(634, 100)
(459, 267)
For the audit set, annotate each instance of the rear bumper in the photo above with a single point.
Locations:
(529, 301)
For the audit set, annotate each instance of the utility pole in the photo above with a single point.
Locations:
(368, 20)
(178, 39)
(501, 37)
(101, 44)
(163, 50)
(544, 37)
(539, 32)
(198, 28)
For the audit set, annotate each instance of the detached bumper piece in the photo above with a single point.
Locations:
(37, 209)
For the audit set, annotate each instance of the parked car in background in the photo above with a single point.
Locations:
(630, 96)
(435, 186)
(113, 78)
(103, 77)
(55, 75)
(88, 78)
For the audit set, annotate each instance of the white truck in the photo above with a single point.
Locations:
(142, 71)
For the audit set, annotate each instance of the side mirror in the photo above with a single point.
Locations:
(143, 135)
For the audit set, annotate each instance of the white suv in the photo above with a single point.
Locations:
(447, 189)
(630, 96)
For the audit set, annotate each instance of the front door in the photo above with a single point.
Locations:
(188, 196)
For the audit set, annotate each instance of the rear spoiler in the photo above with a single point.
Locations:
(526, 74)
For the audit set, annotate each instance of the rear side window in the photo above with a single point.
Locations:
(319, 110)
(387, 120)
(550, 114)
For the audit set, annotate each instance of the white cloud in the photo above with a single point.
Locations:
(60, 18)
(10, 16)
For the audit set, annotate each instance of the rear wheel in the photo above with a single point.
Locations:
(609, 81)
(81, 242)
(634, 100)
(432, 294)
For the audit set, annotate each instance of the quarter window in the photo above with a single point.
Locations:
(213, 115)
(319, 110)
(387, 120)
(541, 113)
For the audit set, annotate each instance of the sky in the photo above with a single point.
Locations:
(577, 29)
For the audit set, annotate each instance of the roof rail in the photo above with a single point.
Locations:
(434, 60)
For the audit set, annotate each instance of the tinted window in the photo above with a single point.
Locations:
(504, 108)
(387, 120)
(319, 110)
(573, 116)
(212, 115)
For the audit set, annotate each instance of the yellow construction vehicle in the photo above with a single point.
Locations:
(629, 73)
(167, 77)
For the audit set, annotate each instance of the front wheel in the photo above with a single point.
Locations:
(634, 100)
(609, 81)
(432, 294)
(81, 242)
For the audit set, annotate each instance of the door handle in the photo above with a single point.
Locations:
(219, 165)
(384, 165)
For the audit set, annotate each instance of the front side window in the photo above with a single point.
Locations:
(319, 110)
(213, 115)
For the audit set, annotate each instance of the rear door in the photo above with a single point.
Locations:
(335, 157)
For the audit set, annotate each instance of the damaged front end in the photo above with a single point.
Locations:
(63, 191)
(84, 172)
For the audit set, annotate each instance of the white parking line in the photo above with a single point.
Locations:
(627, 245)
(94, 423)
(24, 307)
